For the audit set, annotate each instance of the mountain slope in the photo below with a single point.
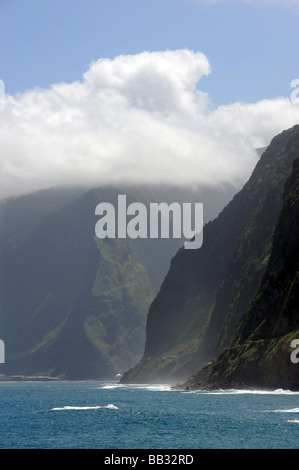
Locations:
(72, 305)
(206, 292)
(261, 352)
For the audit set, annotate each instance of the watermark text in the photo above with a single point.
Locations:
(2, 91)
(295, 353)
(295, 93)
(2, 352)
(158, 222)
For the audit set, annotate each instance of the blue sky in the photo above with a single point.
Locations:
(167, 91)
(251, 46)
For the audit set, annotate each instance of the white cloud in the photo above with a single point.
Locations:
(134, 118)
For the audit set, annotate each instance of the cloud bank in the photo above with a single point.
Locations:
(138, 119)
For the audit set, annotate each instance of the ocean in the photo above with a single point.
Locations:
(105, 415)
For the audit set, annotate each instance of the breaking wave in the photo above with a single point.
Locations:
(279, 391)
(152, 388)
(84, 408)
(292, 410)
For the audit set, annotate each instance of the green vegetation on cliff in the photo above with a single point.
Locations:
(206, 292)
(72, 305)
(261, 350)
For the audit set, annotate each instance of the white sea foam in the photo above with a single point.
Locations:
(84, 408)
(242, 392)
(110, 387)
(292, 410)
(167, 387)
(154, 387)
(293, 421)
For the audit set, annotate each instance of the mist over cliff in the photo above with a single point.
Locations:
(206, 293)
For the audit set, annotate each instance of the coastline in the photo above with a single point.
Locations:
(26, 378)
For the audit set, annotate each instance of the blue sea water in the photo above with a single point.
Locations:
(105, 415)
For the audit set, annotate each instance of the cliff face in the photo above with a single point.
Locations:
(73, 305)
(261, 352)
(206, 292)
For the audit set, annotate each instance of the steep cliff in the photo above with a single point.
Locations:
(73, 305)
(206, 292)
(260, 355)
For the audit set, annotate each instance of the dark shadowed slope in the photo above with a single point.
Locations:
(206, 292)
(261, 353)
